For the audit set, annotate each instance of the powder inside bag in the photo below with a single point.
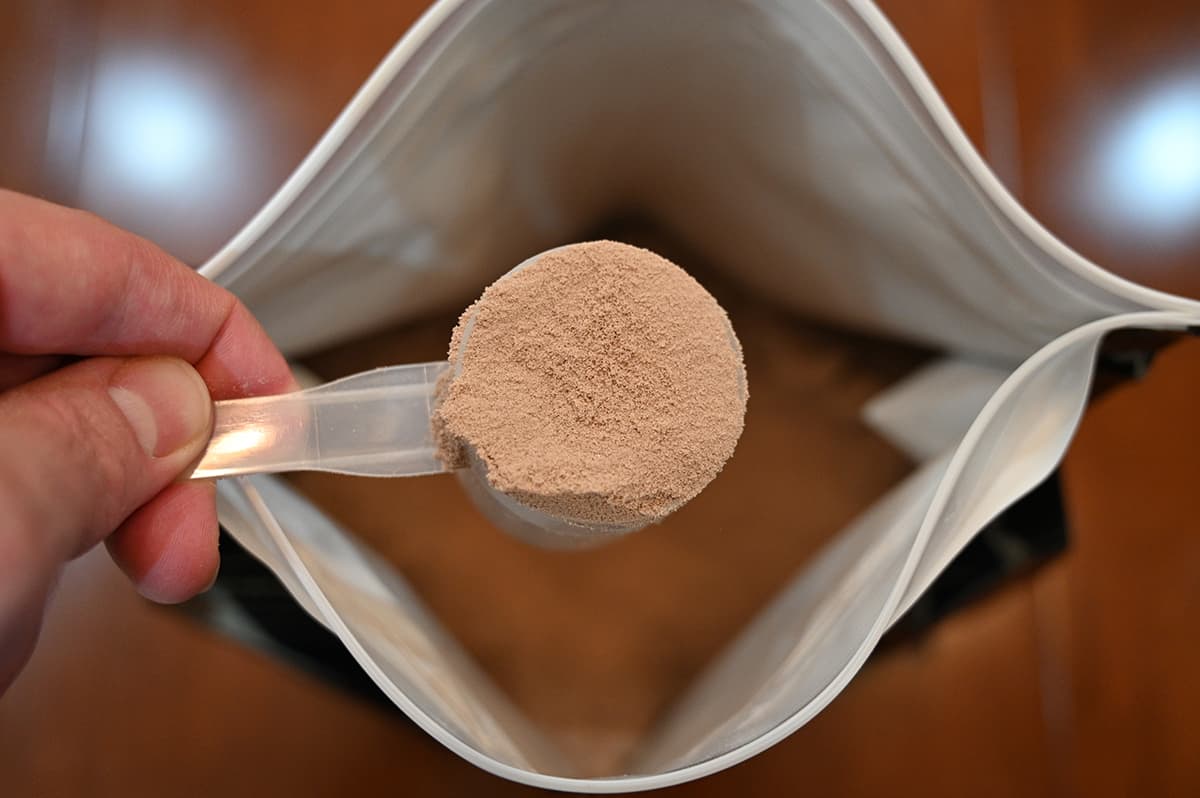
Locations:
(600, 383)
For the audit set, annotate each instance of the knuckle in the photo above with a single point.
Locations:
(93, 449)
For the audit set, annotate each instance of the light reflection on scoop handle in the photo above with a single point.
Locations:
(376, 423)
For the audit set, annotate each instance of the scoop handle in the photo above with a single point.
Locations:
(376, 423)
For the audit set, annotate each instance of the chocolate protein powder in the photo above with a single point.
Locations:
(599, 383)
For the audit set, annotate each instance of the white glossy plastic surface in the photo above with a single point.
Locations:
(795, 143)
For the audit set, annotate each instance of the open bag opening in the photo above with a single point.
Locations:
(792, 155)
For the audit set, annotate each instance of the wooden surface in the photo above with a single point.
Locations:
(1078, 681)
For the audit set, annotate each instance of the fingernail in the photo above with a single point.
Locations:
(165, 401)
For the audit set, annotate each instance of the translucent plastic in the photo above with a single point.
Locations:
(531, 525)
(372, 424)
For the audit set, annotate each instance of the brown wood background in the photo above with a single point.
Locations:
(1081, 680)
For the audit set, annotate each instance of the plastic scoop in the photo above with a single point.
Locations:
(380, 423)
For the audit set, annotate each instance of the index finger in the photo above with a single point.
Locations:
(72, 284)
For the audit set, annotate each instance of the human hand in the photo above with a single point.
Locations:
(91, 449)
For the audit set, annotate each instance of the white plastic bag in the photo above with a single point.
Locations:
(795, 141)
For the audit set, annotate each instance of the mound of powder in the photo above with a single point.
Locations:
(600, 383)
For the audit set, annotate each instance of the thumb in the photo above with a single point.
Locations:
(81, 449)
(84, 447)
